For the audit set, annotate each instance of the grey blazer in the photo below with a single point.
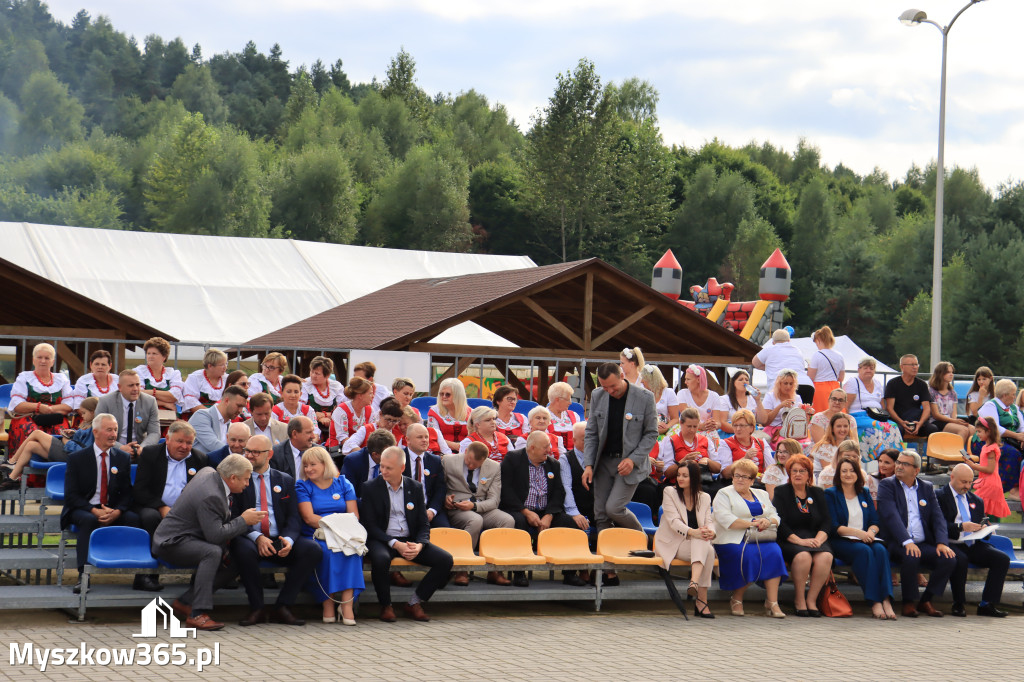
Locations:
(278, 431)
(209, 433)
(488, 489)
(200, 513)
(639, 430)
(147, 420)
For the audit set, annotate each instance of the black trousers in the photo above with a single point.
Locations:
(438, 560)
(984, 555)
(941, 569)
(149, 519)
(87, 522)
(806, 393)
(300, 562)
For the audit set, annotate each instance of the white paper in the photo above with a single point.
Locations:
(978, 534)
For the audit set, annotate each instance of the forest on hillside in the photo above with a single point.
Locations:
(98, 130)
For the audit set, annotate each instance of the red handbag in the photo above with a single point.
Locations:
(831, 601)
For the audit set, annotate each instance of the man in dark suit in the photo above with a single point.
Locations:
(275, 538)
(287, 456)
(424, 467)
(914, 529)
(363, 465)
(97, 487)
(138, 421)
(965, 513)
(164, 471)
(238, 435)
(196, 533)
(393, 512)
(533, 494)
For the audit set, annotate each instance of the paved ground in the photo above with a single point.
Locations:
(551, 642)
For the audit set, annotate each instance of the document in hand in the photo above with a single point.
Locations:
(978, 534)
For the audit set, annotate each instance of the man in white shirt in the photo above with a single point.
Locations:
(782, 354)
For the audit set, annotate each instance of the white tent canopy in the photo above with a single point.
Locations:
(225, 290)
(845, 346)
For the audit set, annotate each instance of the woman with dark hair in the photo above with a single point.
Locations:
(740, 396)
(291, 404)
(268, 379)
(99, 381)
(804, 526)
(943, 394)
(322, 393)
(162, 382)
(886, 469)
(853, 537)
(351, 415)
(239, 378)
(509, 422)
(686, 531)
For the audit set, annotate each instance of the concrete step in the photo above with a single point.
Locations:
(18, 558)
(16, 523)
(38, 597)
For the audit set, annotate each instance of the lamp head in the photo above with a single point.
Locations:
(912, 17)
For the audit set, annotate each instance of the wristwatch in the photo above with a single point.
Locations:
(474, 505)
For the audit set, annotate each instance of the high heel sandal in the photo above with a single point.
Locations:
(691, 591)
(699, 604)
(769, 610)
(736, 607)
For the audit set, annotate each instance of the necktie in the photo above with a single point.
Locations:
(965, 515)
(419, 469)
(103, 477)
(265, 523)
(129, 428)
(376, 471)
(469, 480)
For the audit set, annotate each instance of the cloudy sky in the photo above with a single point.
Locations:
(845, 75)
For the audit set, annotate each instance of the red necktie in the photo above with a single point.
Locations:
(419, 469)
(103, 478)
(265, 523)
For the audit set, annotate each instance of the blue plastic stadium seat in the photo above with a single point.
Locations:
(423, 404)
(5, 395)
(135, 467)
(577, 408)
(1005, 545)
(120, 547)
(42, 463)
(55, 481)
(523, 407)
(643, 514)
(478, 402)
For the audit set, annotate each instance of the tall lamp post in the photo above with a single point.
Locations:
(913, 17)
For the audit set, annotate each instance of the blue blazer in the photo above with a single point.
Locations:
(356, 468)
(286, 505)
(892, 512)
(217, 456)
(841, 515)
(80, 483)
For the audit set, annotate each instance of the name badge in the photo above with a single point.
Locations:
(138, 420)
(923, 503)
(192, 472)
(864, 504)
(410, 506)
(629, 416)
(551, 474)
(113, 470)
(336, 496)
(810, 500)
(483, 480)
(426, 472)
(277, 488)
(971, 505)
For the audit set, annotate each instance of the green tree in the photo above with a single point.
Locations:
(755, 242)
(812, 226)
(196, 90)
(316, 198)
(50, 116)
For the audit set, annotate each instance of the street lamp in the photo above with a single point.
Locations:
(913, 17)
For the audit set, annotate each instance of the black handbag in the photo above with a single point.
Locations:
(45, 421)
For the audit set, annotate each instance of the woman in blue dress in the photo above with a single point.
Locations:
(736, 508)
(324, 491)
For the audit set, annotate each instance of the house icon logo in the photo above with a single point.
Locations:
(156, 611)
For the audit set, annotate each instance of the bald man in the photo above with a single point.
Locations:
(965, 513)
(425, 468)
(238, 435)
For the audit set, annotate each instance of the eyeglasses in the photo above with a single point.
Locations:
(838, 400)
(742, 477)
(744, 425)
(247, 451)
(444, 395)
(389, 421)
(904, 464)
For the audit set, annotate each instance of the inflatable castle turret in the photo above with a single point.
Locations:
(754, 320)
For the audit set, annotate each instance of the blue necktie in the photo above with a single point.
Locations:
(961, 502)
(376, 471)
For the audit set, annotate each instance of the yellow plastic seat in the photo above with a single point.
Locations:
(615, 544)
(567, 547)
(945, 446)
(508, 547)
(459, 544)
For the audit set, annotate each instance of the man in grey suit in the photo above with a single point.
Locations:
(621, 430)
(197, 530)
(138, 423)
(211, 424)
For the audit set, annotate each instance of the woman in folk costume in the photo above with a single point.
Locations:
(204, 387)
(37, 397)
(160, 381)
(484, 429)
(450, 415)
(268, 380)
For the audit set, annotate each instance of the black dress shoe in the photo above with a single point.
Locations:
(147, 583)
(282, 615)
(519, 579)
(254, 618)
(958, 610)
(573, 578)
(803, 613)
(609, 580)
(991, 611)
(814, 613)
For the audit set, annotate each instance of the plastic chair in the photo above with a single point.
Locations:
(135, 467)
(478, 402)
(945, 446)
(42, 463)
(458, 543)
(643, 514)
(120, 547)
(523, 407)
(615, 544)
(567, 547)
(577, 408)
(55, 481)
(1005, 545)
(423, 404)
(508, 547)
(5, 395)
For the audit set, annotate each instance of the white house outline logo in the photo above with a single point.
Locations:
(151, 613)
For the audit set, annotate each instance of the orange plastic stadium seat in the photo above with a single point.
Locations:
(566, 547)
(508, 547)
(615, 544)
(458, 543)
(945, 446)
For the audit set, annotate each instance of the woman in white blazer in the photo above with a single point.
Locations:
(686, 531)
(737, 508)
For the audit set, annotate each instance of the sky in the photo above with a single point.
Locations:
(846, 76)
